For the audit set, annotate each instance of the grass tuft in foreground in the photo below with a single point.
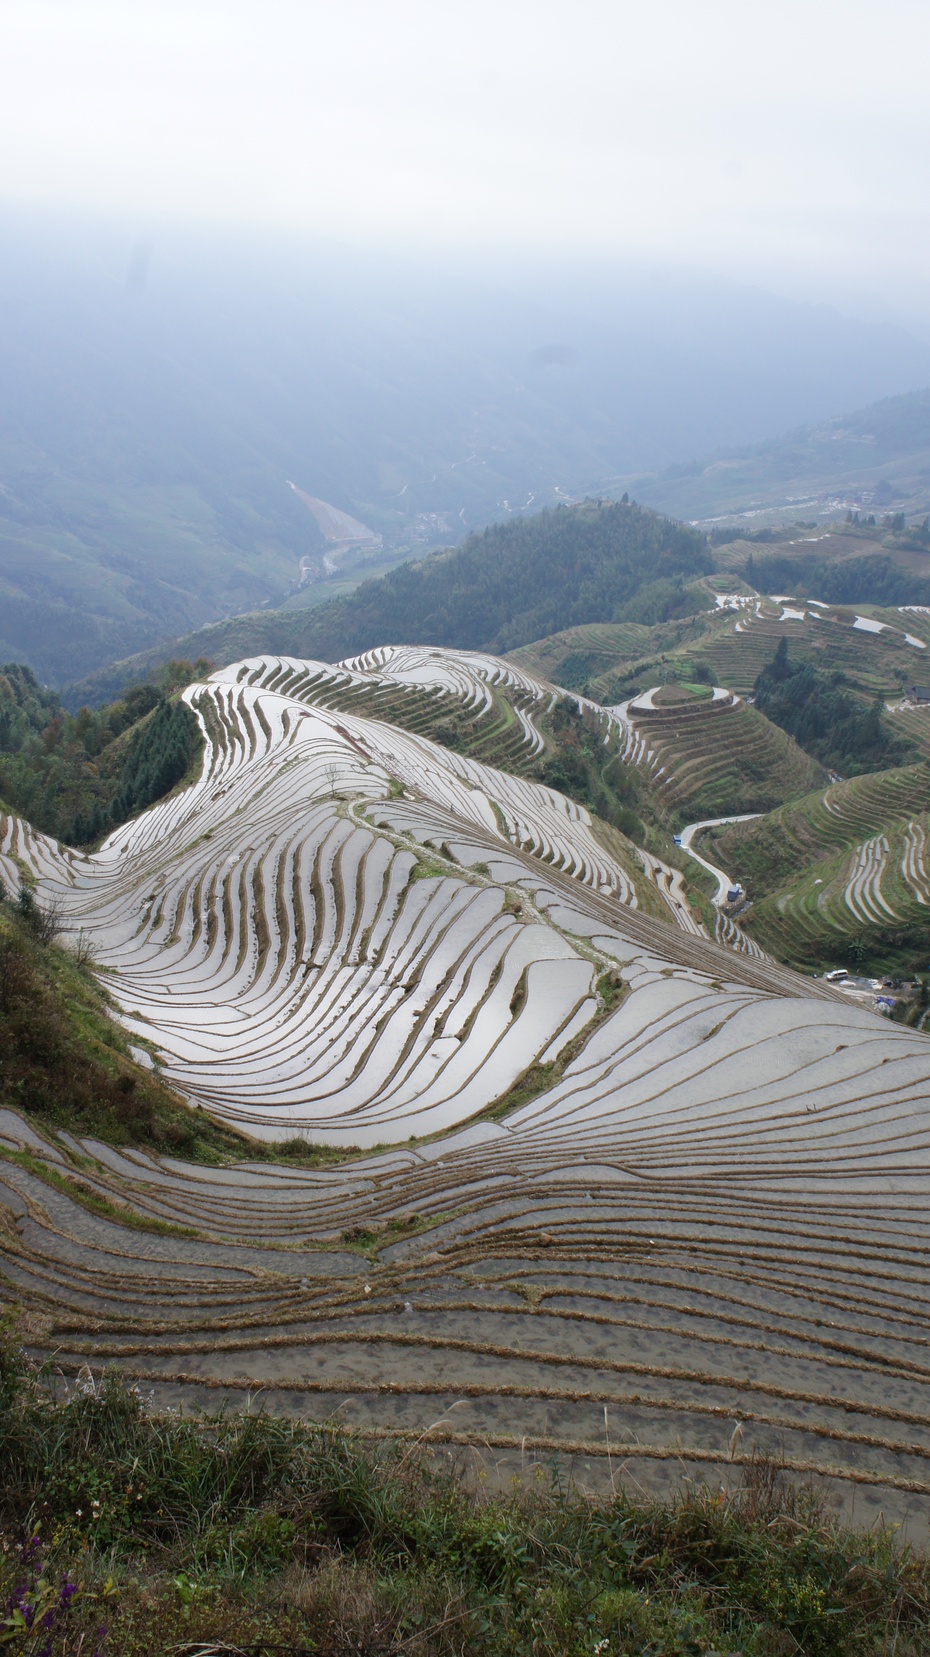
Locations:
(134, 1531)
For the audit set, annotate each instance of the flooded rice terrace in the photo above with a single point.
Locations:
(700, 1236)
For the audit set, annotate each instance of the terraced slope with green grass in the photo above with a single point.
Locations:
(708, 755)
(66, 1061)
(825, 822)
(677, 753)
(840, 877)
(469, 703)
(911, 722)
(834, 640)
(865, 910)
(585, 655)
(731, 644)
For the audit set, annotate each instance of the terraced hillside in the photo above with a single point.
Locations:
(869, 905)
(483, 707)
(626, 1195)
(841, 874)
(878, 650)
(712, 754)
(832, 819)
(340, 810)
(587, 654)
(912, 722)
(688, 763)
(466, 700)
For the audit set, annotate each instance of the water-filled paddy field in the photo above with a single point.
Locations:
(700, 1235)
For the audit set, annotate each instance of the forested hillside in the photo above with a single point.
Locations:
(520, 580)
(871, 578)
(510, 584)
(826, 719)
(76, 776)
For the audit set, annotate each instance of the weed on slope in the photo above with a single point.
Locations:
(65, 1062)
(129, 1530)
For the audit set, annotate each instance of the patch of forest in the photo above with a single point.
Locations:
(826, 719)
(76, 776)
(872, 578)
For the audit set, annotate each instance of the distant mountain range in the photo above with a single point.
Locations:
(149, 429)
(874, 460)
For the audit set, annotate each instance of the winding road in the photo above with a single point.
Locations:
(687, 835)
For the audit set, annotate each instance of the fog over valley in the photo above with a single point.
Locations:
(162, 396)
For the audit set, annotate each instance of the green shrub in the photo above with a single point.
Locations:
(389, 1551)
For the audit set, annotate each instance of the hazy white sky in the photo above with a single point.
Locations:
(785, 140)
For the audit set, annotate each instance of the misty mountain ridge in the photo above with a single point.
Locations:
(868, 461)
(159, 404)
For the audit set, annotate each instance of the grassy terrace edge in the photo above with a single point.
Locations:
(133, 1530)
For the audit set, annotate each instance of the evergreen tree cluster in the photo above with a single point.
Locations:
(67, 773)
(159, 754)
(575, 763)
(826, 719)
(871, 579)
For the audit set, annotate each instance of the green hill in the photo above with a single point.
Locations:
(509, 584)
